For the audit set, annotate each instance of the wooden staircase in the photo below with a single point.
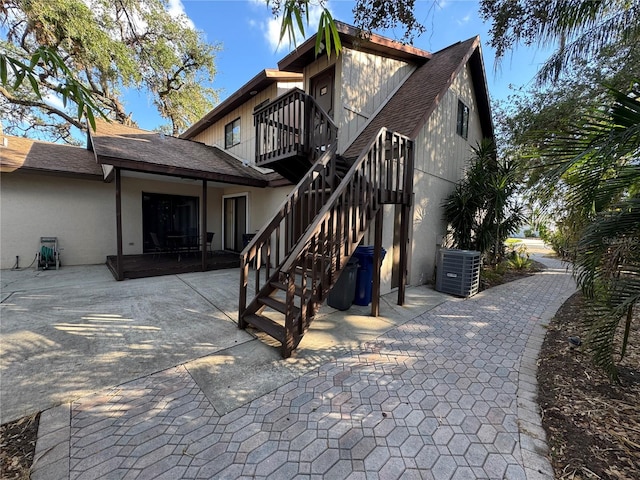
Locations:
(296, 258)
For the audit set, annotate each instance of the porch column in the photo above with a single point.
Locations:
(119, 266)
(377, 250)
(404, 242)
(203, 235)
(405, 219)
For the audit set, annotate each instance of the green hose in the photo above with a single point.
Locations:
(47, 254)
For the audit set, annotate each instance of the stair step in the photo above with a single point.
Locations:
(283, 287)
(266, 325)
(277, 305)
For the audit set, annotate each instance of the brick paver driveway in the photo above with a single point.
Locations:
(449, 394)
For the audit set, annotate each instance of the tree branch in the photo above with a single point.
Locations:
(43, 106)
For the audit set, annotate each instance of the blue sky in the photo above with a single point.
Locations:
(247, 34)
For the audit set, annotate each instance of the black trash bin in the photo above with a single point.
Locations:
(364, 281)
(341, 295)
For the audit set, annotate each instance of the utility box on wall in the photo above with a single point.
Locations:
(458, 272)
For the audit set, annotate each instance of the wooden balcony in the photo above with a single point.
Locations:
(291, 133)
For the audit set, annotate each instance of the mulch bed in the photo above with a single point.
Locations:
(17, 447)
(490, 278)
(592, 424)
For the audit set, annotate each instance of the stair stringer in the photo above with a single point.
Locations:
(382, 174)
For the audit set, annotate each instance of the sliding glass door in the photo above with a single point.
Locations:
(170, 218)
(235, 222)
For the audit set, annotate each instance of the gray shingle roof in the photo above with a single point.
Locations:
(26, 155)
(135, 149)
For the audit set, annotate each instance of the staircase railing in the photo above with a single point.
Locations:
(271, 246)
(382, 174)
(292, 125)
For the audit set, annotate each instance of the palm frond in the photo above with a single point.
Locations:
(599, 161)
(602, 325)
(587, 27)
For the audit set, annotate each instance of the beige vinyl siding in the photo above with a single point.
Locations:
(319, 66)
(440, 151)
(367, 83)
(245, 150)
(441, 156)
(363, 84)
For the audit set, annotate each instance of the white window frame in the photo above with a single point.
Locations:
(247, 212)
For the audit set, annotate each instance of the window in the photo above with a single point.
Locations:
(462, 126)
(232, 133)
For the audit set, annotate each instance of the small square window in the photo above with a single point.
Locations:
(462, 125)
(232, 133)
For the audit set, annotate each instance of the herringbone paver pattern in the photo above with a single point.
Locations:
(435, 398)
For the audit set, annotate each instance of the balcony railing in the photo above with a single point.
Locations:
(293, 125)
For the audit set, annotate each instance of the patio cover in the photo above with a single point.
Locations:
(130, 148)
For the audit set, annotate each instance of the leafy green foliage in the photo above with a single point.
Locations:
(578, 29)
(600, 159)
(481, 211)
(376, 14)
(87, 52)
(518, 257)
(368, 15)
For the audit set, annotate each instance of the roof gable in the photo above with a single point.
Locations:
(353, 38)
(412, 105)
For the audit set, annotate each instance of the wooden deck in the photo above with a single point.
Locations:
(154, 265)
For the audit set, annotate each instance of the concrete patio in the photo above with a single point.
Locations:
(70, 332)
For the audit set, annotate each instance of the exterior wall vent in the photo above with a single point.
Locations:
(458, 272)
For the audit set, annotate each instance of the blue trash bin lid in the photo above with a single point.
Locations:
(364, 252)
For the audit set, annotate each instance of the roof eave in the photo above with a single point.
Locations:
(141, 166)
(351, 37)
(482, 92)
(474, 58)
(52, 173)
(258, 83)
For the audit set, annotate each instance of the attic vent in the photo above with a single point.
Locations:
(458, 272)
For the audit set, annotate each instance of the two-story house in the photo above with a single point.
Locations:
(310, 159)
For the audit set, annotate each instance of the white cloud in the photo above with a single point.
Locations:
(271, 27)
(176, 10)
(464, 20)
(54, 101)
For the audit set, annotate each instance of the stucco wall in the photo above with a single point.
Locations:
(81, 213)
(262, 202)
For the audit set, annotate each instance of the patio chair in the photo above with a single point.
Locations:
(210, 242)
(157, 246)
